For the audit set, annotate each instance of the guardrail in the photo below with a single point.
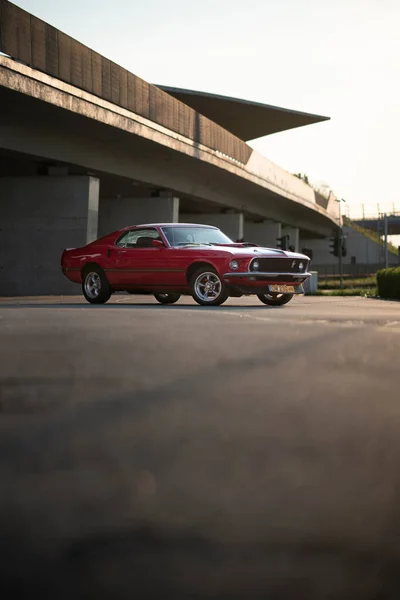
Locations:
(30, 40)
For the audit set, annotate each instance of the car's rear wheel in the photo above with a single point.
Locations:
(95, 286)
(208, 289)
(273, 299)
(167, 298)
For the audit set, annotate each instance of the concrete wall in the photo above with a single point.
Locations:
(264, 234)
(39, 217)
(115, 213)
(230, 223)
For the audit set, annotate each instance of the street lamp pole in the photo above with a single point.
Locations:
(385, 221)
(340, 242)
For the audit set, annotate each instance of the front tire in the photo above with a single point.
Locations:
(95, 286)
(167, 298)
(275, 299)
(208, 289)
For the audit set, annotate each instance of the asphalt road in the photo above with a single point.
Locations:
(185, 452)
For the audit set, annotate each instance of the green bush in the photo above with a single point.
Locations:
(388, 281)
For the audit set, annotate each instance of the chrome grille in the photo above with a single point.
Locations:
(279, 265)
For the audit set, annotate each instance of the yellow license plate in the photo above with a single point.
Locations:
(281, 289)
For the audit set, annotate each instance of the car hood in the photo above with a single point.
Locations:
(246, 252)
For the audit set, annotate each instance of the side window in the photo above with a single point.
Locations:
(138, 238)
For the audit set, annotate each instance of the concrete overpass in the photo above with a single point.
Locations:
(87, 147)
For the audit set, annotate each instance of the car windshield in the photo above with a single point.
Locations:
(185, 236)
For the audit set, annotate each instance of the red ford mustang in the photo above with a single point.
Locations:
(171, 259)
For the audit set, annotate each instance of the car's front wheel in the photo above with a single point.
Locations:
(95, 286)
(274, 299)
(167, 298)
(208, 289)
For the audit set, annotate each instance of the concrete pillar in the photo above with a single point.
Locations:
(294, 237)
(39, 217)
(230, 223)
(264, 233)
(93, 210)
(115, 213)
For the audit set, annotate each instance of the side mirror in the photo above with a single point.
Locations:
(157, 244)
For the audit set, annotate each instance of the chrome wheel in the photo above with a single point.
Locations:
(92, 285)
(95, 285)
(208, 286)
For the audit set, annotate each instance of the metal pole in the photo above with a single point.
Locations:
(366, 239)
(340, 258)
(340, 246)
(379, 233)
(386, 241)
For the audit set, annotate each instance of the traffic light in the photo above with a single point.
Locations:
(283, 242)
(334, 245)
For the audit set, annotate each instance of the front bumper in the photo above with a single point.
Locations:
(266, 275)
(255, 282)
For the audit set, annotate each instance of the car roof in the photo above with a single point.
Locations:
(168, 225)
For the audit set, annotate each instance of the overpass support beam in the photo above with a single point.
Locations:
(115, 213)
(294, 236)
(230, 223)
(39, 217)
(263, 234)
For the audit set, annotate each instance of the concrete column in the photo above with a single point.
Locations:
(294, 236)
(230, 223)
(39, 217)
(264, 233)
(115, 213)
(93, 210)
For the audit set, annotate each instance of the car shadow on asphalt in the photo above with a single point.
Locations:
(132, 306)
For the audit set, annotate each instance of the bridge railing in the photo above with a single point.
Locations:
(37, 44)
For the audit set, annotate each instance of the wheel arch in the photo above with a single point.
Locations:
(89, 265)
(195, 266)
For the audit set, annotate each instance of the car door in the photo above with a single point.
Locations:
(138, 263)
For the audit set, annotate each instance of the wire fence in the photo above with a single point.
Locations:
(369, 212)
(326, 272)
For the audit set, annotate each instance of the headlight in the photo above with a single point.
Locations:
(255, 265)
(233, 265)
(301, 266)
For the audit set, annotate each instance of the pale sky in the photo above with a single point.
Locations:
(339, 58)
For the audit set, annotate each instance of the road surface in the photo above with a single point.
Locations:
(186, 452)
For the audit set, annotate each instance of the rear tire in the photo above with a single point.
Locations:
(275, 299)
(208, 289)
(169, 298)
(95, 286)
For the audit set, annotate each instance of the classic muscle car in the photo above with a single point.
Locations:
(170, 259)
